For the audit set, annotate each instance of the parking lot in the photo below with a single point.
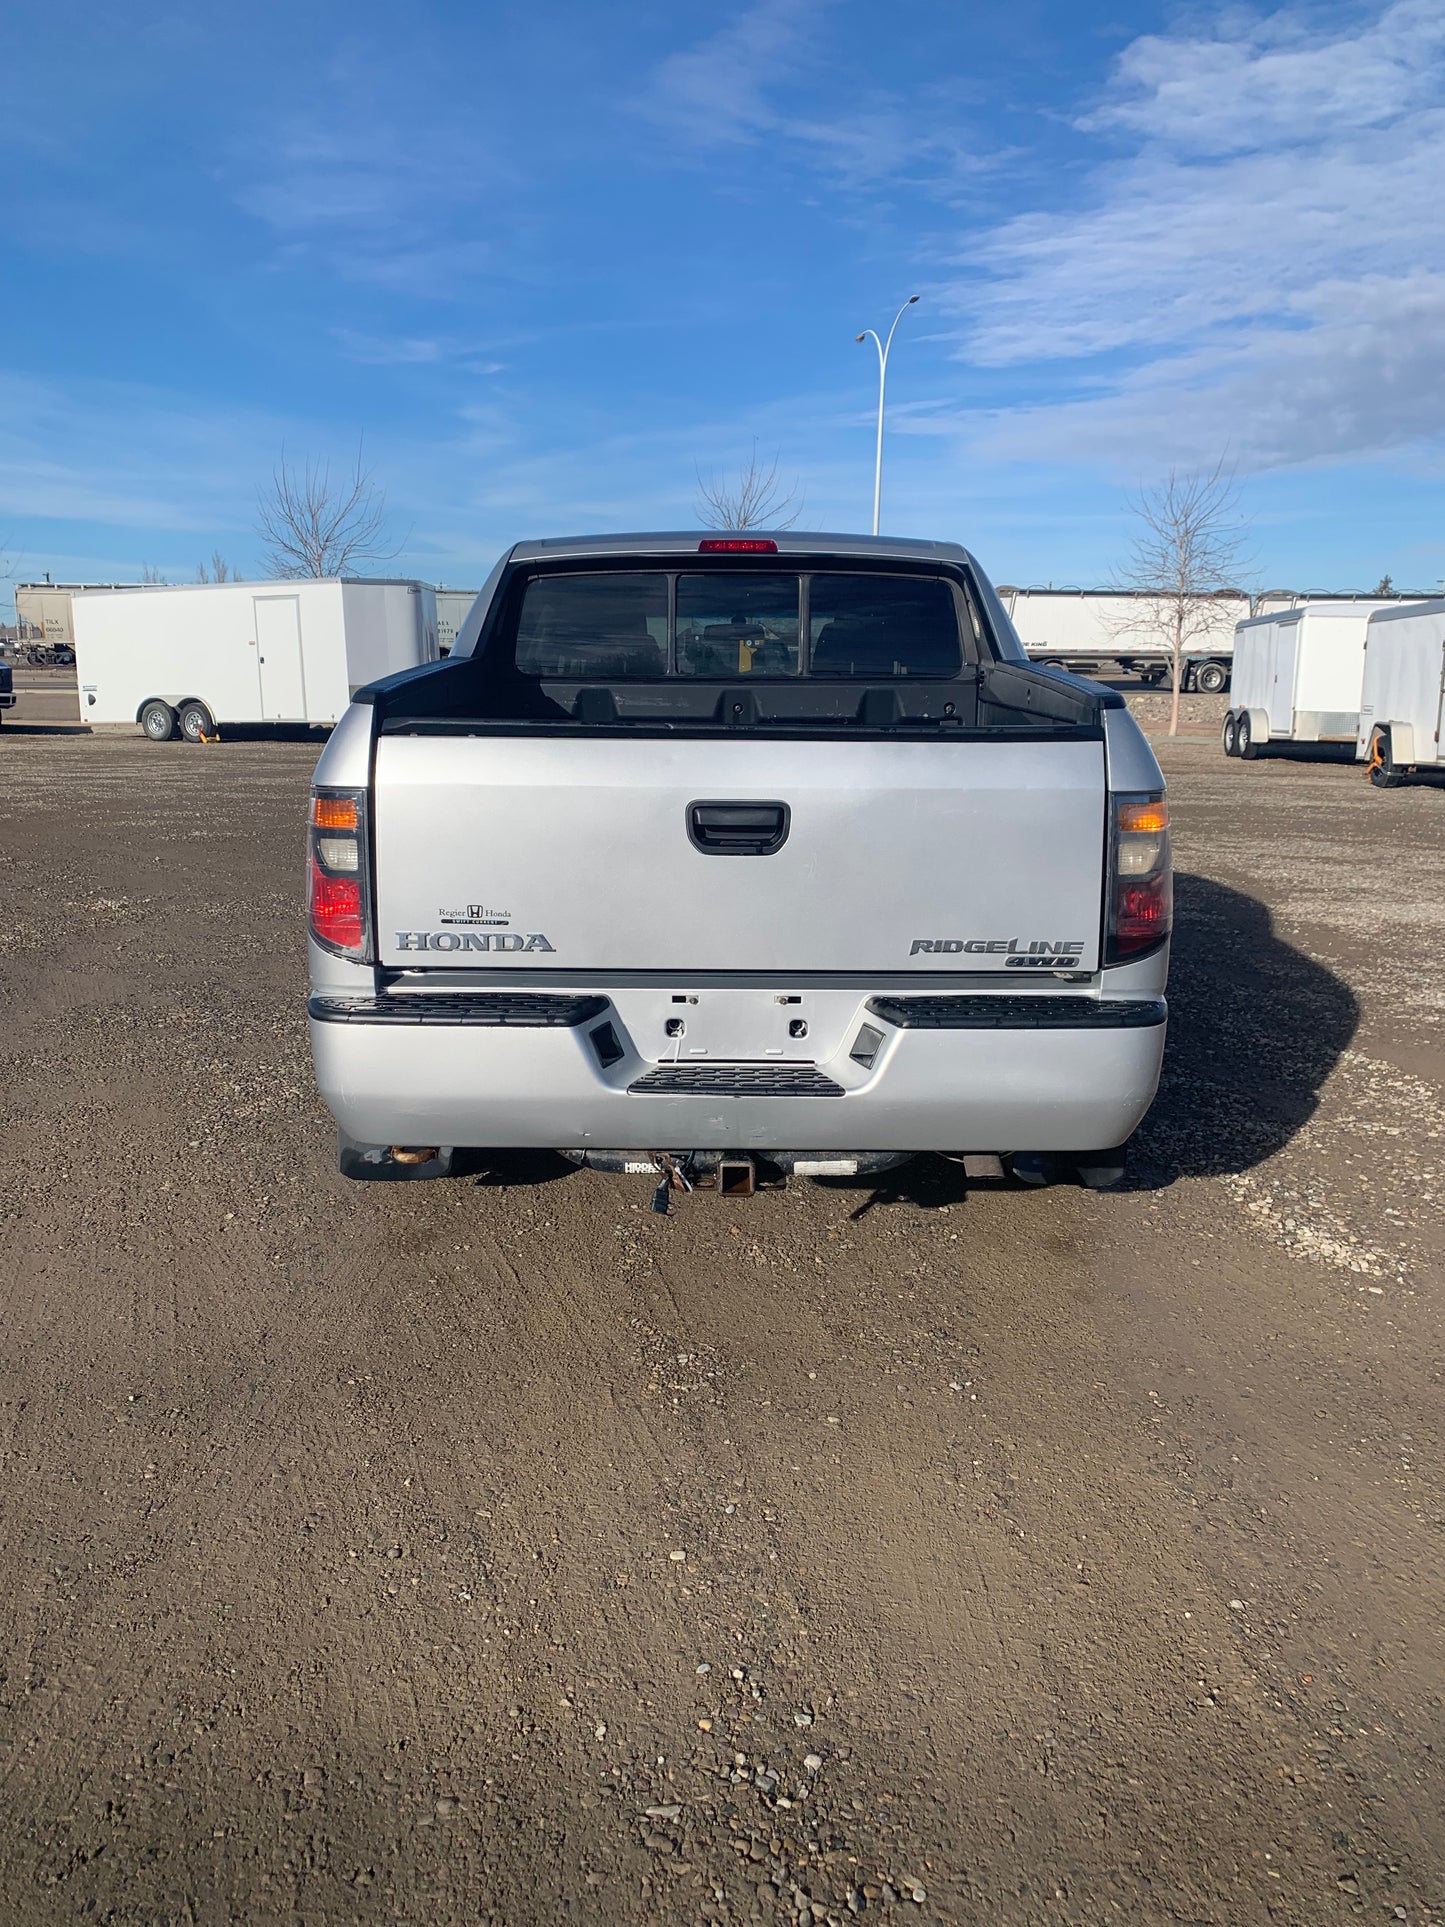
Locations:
(495, 1550)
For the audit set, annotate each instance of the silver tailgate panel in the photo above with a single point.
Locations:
(583, 843)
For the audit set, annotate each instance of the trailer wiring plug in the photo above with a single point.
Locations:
(674, 1178)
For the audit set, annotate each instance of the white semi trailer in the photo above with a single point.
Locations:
(453, 608)
(1110, 632)
(1402, 700)
(184, 661)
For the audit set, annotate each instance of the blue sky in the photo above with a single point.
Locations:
(550, 261)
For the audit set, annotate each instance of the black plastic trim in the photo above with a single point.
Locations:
(736, 1080)
(543, 977)
(1020, 1013)
(738, 828)
(908, 729)
(475, 1008)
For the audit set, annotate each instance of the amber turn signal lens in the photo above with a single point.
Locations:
(1144, 816)
(334, 812)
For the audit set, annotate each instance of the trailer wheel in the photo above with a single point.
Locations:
(1210, 678)
(1248, 748)
(158, 720)
(1228, 735)
(1385, 772)
(193, 720)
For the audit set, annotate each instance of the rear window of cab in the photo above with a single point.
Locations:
(648, 624)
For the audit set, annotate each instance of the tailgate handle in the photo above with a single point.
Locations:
(738, 829)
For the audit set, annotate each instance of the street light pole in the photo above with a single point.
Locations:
(882, 347)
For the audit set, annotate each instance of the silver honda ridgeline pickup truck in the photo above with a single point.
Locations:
(724, 856)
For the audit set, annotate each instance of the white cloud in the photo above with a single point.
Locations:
(1265, 270)
(1274, 79)
(414, 351)
(718, 93)
(369, 181)
(735, 89)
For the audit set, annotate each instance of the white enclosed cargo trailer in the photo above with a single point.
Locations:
(184, 661)
(1402, 702)
(1297, 677)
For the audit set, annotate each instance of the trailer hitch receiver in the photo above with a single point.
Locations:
(737, 1177)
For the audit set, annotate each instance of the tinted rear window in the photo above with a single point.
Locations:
(882, 625)
(584, 626)
(723, 624)
(737, 625)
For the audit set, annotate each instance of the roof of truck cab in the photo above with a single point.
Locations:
(789, 541)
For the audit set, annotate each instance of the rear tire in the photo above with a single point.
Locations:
(1249, 749)
(1385, 772)
(1210, 678)
(1227, 736)
(158, 721)
(193, 721)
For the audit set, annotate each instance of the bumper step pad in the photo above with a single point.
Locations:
(524, 1011)
(736, 1080)
(1020, 1013)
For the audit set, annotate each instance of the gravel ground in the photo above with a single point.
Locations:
(495, 1551)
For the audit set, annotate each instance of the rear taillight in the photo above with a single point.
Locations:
(1141, 877)
(339, 900)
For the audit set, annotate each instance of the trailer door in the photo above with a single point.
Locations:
(278, 658)
(1284, 655)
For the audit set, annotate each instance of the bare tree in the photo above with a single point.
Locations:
(1188, 552)
(151, 574)
(1385, 585)
(314, 526)
(219, 571)
(756, 499)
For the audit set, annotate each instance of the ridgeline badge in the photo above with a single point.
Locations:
(1038, 954)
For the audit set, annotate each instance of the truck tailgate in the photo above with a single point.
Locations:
(587, 854)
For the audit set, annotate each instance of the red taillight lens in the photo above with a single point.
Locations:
(337, 918)
(338, 909)
(1143, 915)
(1141, 878)
(736, 545)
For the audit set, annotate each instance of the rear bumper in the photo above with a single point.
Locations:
(991, 1074)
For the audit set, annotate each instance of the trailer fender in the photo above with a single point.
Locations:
(1259, 726)
(1402, 741)
(171, 701)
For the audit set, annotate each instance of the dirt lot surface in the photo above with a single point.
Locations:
(496, 1551)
